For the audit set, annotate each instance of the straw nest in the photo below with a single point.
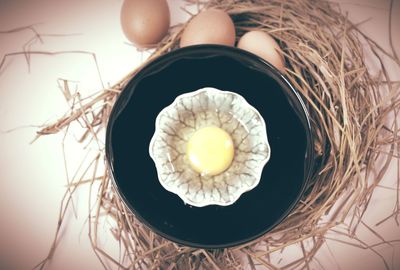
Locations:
(350, 107)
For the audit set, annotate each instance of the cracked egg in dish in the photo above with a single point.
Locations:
(209, 147)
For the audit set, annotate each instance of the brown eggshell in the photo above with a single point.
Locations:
(145, 22)
(263, 45)
(209, 27)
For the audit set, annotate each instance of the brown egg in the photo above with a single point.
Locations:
(263, 45)
(209, 27)
(145, 22)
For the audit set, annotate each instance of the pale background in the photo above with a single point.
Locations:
(33, 177)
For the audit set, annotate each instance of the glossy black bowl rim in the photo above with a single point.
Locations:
(185, 53)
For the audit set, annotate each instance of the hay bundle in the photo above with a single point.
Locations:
(350, 110)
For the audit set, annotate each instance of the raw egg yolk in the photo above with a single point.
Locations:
(210, 151)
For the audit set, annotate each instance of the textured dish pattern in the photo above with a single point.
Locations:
(206, 107)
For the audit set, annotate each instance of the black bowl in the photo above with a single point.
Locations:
(132, 124)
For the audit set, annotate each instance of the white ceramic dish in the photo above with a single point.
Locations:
(192, 111)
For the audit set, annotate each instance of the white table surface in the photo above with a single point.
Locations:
(33, 176)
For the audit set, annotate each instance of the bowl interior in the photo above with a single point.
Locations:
(131, 127)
